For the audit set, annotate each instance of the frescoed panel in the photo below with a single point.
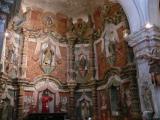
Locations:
(82, 62)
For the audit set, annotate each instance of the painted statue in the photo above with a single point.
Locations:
(85, 110)
(45, 101)
(48, 53)
(84, 107)
(111, 39)
(64, 104)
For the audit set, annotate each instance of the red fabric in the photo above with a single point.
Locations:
(45, 101)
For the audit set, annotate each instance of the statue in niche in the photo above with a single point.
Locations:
(111, 39)
(45, 101)
(84, 106)
(49, 57)
(48, 53)
(64, 104)
(147, 97)
(85, 113)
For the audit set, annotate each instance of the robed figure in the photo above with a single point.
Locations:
(45, 101)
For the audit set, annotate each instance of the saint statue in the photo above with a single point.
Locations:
(111, 39)
(64, 104)
(85, 109)
(45, 101)
(48, 53)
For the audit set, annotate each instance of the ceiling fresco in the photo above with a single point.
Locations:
(71, 8)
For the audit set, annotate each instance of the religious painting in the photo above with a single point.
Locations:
(81, 62)
(46, 101)
(84, 106)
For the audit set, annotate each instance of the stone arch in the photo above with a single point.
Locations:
(141, 12)
(133, 14)
(153, 11)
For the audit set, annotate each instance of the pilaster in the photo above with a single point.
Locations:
(20, 94)
(71, 57)
(23, 53)
(94, 99)
(72, 100)
(144, 43)
(92, 59)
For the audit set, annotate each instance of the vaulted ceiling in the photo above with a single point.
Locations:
(72, 8)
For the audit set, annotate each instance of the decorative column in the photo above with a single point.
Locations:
(94, 99)
(71, 72)
(92, 59)
(93, 80)
(20, 94)
(22, 71)
(143, 43)
(72, 113)
(71, 59)
(23, 51)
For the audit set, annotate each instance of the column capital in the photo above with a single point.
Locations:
(145, 43)
(142, 35)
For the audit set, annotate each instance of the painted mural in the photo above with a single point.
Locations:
(71, 65)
